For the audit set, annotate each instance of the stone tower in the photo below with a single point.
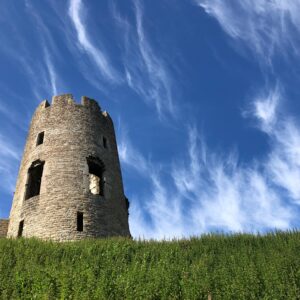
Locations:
(69, 185)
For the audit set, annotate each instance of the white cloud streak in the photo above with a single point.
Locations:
(49, 48)
(265, 107)
(264, 27)
(40, 72)
(34, 70)
(207, 191)
(51, 71)
(9, 159)
(97, 56)
(267, 29)
(146, 72)
(130, 157)
(155, 66)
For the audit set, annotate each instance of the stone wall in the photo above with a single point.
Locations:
(72, 133)
(3, 227)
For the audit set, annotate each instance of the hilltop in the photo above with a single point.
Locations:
(225, 267)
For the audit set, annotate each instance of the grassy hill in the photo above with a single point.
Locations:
(225, 267)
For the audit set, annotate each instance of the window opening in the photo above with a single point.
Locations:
(105, 142)
(21, 226)
(94, 184)
(34, 180)
(79, 221)
(96, 178)
(40, 138)
(127, 203)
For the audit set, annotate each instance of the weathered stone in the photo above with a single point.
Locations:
(73, 136)
(3, 227)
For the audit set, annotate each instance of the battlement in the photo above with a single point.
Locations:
(43, 105)
(106, 115)
(67, 99)
(91, 103)
(64, 99)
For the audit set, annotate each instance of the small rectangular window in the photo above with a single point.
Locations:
(40, 138)
(79, 221)
(105, 142)
(21, 226)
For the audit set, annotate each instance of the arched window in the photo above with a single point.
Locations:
(96, 178)
(34, 179)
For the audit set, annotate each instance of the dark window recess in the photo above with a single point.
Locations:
(79, 221)
(96, 178)
(105, 142)
(34, 180)
(40, 138)
(21, 226)
(127, 203)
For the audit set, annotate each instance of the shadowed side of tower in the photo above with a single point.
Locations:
(69, 185)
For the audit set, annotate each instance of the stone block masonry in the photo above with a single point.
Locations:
(3, 227)
(70, 149)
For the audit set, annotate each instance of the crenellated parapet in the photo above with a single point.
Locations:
(90, 103)
(66, 103)
(67, 100)
(64, 99)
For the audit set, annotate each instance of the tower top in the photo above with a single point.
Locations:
(65, 100)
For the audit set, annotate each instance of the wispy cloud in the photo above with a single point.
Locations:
(206, 191)
(265, 107)
(51, 71)
(98, 56)
(284, 161)
(130, 156)
(264, 27)
(146, 72)
(9, 160)
(33, 70)
(39, 71)
(49, 77)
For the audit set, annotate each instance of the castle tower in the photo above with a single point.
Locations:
(69, 185)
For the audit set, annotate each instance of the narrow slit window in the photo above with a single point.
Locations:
(105, 142)
(34, 180)
(79, 221)
(40, 138)
(96, 177)
(21, 227)
(127, 203)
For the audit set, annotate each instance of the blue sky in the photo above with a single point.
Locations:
(204, 96)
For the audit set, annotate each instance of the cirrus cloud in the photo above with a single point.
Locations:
(206, 191)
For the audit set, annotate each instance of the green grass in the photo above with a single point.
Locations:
(226, 267)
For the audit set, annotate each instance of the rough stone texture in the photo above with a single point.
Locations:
(72, 133)
(3, 227)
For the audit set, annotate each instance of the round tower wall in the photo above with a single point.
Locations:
(72, 134)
